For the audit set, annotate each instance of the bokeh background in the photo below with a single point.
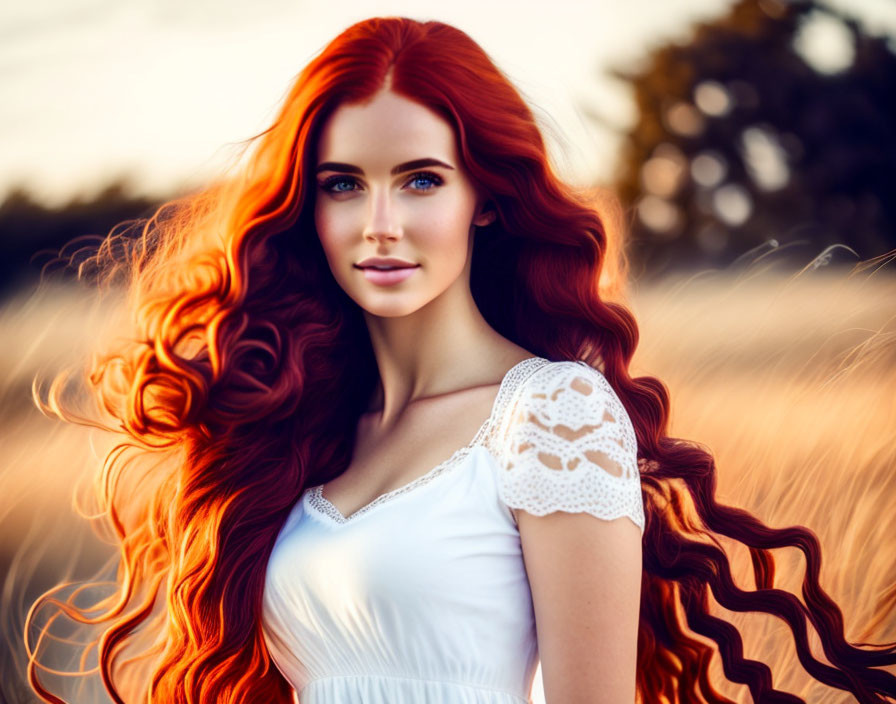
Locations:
(752, 145)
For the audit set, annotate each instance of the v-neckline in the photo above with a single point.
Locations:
(322, 504)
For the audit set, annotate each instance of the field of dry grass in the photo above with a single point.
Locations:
(789, 380)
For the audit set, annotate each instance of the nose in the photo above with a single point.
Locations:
(383, 218)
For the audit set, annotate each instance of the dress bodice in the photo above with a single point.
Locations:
(422, 595)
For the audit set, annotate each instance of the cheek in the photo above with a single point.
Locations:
(446, 224)
(331, 230)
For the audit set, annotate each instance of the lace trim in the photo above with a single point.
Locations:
(322, 504)
(484, 436)
(569, 445)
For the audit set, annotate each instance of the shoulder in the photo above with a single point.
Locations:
(567, 443)
(569, 392)
(566, 374)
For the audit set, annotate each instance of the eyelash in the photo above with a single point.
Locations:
(327, 184)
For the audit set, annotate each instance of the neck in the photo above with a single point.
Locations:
(439, 348)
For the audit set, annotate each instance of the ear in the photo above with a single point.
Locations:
(485, 217)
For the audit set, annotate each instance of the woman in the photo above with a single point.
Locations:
(395, 271)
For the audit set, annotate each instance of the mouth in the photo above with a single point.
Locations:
(386, 268)
(387, 276)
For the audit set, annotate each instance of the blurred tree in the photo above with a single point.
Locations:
(34, 236)
(776, 122)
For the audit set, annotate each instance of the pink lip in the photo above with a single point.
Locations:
(388, 278)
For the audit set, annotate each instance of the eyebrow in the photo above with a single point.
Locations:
(401, 168)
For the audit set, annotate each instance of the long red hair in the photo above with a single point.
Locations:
(248, 368)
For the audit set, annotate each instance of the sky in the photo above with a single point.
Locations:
(159, 92)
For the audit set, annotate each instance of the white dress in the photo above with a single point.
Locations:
(422, 595)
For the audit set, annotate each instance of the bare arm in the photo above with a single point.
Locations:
(585, 577)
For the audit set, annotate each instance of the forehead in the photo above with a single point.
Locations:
(387, 130)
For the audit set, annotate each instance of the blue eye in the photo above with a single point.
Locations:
(426, 176)
(332, 184)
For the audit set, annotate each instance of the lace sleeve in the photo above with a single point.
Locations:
(569, 445)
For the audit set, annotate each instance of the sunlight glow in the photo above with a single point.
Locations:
(713, 98)
(765, 158)
(732, 204)
(825, 43)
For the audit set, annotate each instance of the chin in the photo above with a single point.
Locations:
(391, 305)
(391, 311)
